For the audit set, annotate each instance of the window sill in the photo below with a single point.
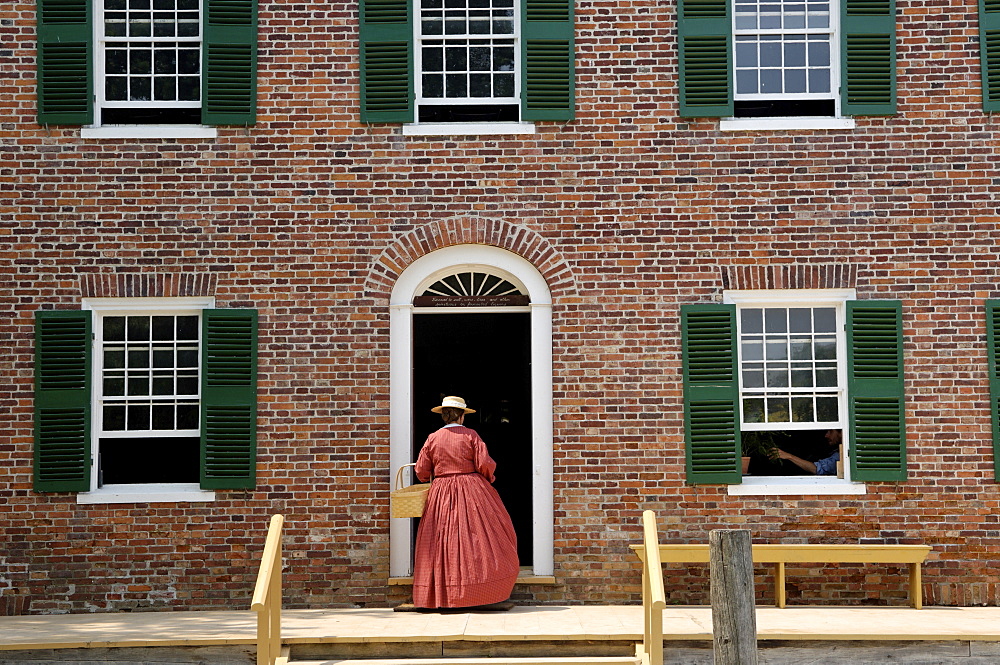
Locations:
(743, 124)
(467, 128)
(795, 486)
(149, 132)
(151, 493)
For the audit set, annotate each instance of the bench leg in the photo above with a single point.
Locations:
(916, 587)
(779, 584)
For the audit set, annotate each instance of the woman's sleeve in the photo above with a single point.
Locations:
(425, 465)
(484, 463)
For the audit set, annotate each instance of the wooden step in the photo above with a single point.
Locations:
(540, 660)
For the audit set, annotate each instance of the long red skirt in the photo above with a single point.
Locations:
(466, 550)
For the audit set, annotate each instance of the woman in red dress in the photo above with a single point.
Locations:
(466, 550)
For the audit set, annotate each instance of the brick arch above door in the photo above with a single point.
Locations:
(427, 238)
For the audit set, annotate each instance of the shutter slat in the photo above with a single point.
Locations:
(229, 399)
(875, 390)
(711, 413)
(62, 401)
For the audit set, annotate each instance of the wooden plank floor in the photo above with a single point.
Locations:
(584, 622)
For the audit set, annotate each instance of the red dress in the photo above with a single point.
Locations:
(466, 550)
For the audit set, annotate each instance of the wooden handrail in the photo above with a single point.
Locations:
(653, 599)
(267, 595)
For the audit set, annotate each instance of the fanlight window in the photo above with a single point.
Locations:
(471, 288)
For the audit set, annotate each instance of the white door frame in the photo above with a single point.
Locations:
(418, 275)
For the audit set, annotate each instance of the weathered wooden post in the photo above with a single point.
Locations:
(734, 622)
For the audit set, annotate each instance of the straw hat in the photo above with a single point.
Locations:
(455, 403)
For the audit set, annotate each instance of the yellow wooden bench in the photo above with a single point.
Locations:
(779, 555)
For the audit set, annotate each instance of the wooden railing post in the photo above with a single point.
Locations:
(267, 595)
(734, 622)
(653, 600)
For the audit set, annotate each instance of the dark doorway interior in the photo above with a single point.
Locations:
(485, 359)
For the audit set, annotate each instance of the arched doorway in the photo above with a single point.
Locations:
(490, 308)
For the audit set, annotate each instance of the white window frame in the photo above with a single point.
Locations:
(836, 121)
(800, 485)
(140, 492)
(98, 130)
(437, 128)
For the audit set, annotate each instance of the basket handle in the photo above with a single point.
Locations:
(399, 475)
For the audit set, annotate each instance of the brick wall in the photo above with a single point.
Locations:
(627, 211)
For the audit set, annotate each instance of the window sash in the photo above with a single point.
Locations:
(99, 398)
(103, 42)
(418, 68)
(839, 391)
(834, 68)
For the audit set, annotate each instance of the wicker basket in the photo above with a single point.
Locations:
(407, 501)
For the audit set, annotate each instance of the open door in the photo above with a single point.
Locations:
(484, 357)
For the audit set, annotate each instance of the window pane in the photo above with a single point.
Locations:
(802, 378)
(114, 358)
(826, 319)
(114, 418)
(164, 62)
(165, 89)
(770, 81)
(187, 416)
(114, 385)
(503, 85)
(777, 378)
(163, 357)
(753, 410)
(775, 320)
(187, 327)
(138, 357)
(746, 82)
(802, 410)
(752, 321)
(432, 59)
(503, 60)
(163, 416)
(115, 62)
(479, 85)
(776, 350)
(826, 378)
(433, 85)
(819, 80)
(187, 63)
(753, 378)
(800, 320)
(801, 348)
(138, 416)
(187, 384)
(795, 80)
(163, 385)
(795, 54)
(455, 85)
(138, 328)
(188, 88)
(138, 385)
(826, 348)
(826, 409)
(455, 59)
(777, 410)
(753, 350)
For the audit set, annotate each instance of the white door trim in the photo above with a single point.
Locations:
(421, 273)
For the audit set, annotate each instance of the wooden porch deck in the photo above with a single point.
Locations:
(540, 622)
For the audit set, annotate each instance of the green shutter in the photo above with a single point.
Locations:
(386, 61)
(705, 36)
(875, 389)
(65, 63)
(711, 393)
(549, 64)
(229, 399)
(868, 57)
(989, 50)
(993, 355)
(62, 401)
(229, 80)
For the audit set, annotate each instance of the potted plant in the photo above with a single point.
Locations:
(761, 443)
